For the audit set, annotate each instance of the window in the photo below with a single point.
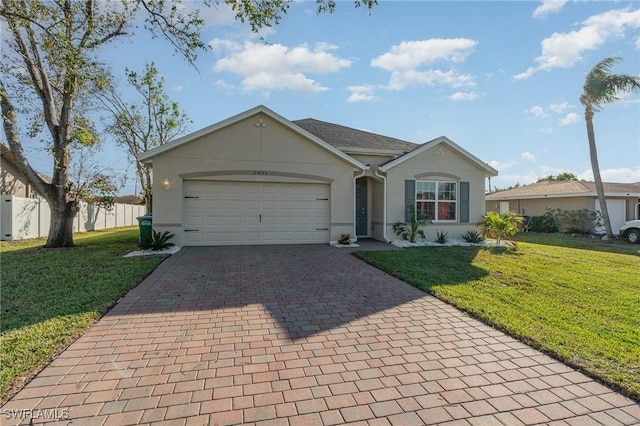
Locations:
(437, 200)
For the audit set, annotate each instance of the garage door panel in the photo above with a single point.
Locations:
(195, 220)
(227, 213)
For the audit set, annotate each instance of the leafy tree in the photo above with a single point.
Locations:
(602, 87)
(138, 127)
(501, 225)
(51, 71)
(561, 177)
(266, 13)
(496, 189)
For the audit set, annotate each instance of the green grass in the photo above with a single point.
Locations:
(573, 298)
(50, 296)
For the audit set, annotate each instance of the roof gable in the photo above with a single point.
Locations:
(148, 156)
(489, 171)
(557, 189)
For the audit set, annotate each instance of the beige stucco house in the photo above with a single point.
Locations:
(258, 178)
(534, 199)
(12, 182)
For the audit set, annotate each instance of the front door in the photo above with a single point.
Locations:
(361, 208)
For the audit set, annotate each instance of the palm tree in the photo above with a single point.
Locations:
(601, 87)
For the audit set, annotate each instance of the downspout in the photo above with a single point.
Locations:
(355, 212)
(384, 206)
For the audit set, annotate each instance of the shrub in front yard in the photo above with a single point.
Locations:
(472, 236)
(344, 239)
(411, 231)
(578, 221)
(502, 225)
(442, 237)
(546, 223)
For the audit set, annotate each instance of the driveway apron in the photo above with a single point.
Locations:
(301, 335)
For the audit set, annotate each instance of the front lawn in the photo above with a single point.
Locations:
(578, 301)
(49, 296)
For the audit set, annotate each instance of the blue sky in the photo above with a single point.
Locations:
(501, 78)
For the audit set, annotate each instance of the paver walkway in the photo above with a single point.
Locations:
(301, 335)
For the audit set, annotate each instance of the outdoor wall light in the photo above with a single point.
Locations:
(166, 183)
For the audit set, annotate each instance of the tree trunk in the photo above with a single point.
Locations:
(593, 153)
(61, 228)
(148, 193)
(147, 189)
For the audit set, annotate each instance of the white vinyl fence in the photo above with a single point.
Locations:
(22, 218)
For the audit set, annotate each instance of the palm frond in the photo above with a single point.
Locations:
(602, 87)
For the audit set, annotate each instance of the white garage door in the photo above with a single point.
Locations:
(616, 209)
(234, 213)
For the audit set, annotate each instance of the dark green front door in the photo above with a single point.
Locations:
(361, 207)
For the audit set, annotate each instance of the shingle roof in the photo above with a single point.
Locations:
(6, 153)
(565, 188)
(343, 137)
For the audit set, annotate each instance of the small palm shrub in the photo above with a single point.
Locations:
(442, 237)
(472, 236)
(344, 239)
(501, 225)
(158, 241)
(410, 231)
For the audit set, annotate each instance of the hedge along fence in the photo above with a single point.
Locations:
(22, 218)
(572, 221)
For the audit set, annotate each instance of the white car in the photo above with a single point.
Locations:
(631, 231)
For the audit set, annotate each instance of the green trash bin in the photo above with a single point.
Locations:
(146, 230)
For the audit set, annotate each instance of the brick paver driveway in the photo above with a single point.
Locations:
(302, 335)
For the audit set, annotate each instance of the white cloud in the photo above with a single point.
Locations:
(524, 75)
(559, 108)
(537, 112)
(504, 180)
(178, 88)
(276, 67)
(463, 96)
(364, 93)
(528, 156)
(564, 50)
(499, 165)
(409, 62)
(412, 54)
(570, 118)
(541, 113)
(229, 88)
(548, 7)
(621, 175)
(400, 80)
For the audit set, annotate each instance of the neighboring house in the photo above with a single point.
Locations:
(12, 182)
(128, 199)
(258, 178)
(534, 199)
